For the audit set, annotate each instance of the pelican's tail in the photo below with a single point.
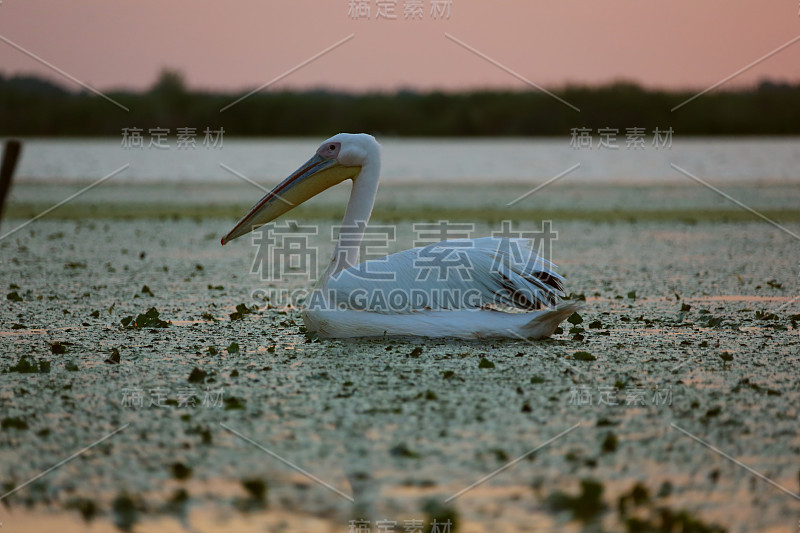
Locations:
(546, 323)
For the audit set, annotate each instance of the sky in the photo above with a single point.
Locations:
(242, 44)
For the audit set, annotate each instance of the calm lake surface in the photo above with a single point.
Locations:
(267, 160)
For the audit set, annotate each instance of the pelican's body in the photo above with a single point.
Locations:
(467, 288)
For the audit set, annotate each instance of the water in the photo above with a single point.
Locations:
(720, 160)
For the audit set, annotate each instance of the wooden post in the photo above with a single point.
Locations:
(10, 157)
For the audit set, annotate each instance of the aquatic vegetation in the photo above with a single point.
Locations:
(148, 319)
(584, 506)
(583, 356)
(485, 363)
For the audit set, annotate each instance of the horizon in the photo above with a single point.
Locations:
(64, 84)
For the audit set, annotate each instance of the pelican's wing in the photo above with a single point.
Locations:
(487, 273)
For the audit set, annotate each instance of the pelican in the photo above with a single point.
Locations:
(501, 287)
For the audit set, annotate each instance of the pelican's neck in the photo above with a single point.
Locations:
(356, 217)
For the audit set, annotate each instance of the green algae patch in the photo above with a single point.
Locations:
(584, 506)
(24, 366)
(148, 319)
(485, 363)
(583, 356)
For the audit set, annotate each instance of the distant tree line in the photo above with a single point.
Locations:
(34, 107)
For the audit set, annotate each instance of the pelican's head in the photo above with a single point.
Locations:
(339, 158)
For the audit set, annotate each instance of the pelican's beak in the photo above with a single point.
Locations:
(316, 175)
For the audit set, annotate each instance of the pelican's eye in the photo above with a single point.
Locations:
(329, 150)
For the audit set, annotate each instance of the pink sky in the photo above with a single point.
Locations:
(238, 44)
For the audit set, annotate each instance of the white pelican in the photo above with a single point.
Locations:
(503, 289)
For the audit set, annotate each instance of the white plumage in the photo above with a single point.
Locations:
(467, 288)
(491, 272)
